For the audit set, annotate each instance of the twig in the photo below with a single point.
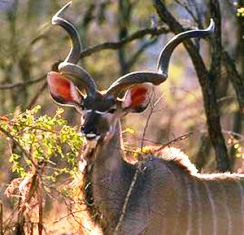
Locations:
(146, 125)
(27, 154)
(234, 134)
(188, 9)
(71, 213)
(134, 57)
(182, 137)
(152, 106)
(199, 12)
(34, 99)
(122, 215)
(21, 210)
(74, 217)
(8, 223)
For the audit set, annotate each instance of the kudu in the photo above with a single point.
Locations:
(159, 195)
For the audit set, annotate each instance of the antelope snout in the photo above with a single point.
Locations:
(90, 134)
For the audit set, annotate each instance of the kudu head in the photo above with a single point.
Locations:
(73, 86)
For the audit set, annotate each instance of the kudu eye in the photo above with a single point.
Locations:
(82, 106)
(112, 110)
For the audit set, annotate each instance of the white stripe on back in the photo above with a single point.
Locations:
(213, 207)
(225, 205)
(242, 202)
(190, 211)
(199, 207)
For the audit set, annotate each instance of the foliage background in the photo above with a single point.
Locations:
(30, 46)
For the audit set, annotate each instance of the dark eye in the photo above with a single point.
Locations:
(112, 110)
(82, 106)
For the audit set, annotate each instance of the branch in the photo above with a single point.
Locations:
(115, 45)
(199, 13)
(216, 46)
(26, 153)
(179, 138)
(38, 94)
(89, 51)
(235, 78)
(134, 57)
(208, 89)
(22, 84)
(188, 9)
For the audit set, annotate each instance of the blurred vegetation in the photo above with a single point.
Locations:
(41, 140)
(30, 46)
(44, 150)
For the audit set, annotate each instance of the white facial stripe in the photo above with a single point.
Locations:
(99, 112)
(91, 135)
(95, 111)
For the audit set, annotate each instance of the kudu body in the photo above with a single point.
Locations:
(159, 195)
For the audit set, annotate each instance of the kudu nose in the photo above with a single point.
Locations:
(90, 133)
(90, 127)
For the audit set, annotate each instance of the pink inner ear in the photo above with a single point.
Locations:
(60, 86)
(138, 95)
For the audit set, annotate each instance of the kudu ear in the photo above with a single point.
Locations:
(62, 90)
(136, 99)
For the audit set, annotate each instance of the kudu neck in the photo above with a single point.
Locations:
(112, 148)
(108, 177)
